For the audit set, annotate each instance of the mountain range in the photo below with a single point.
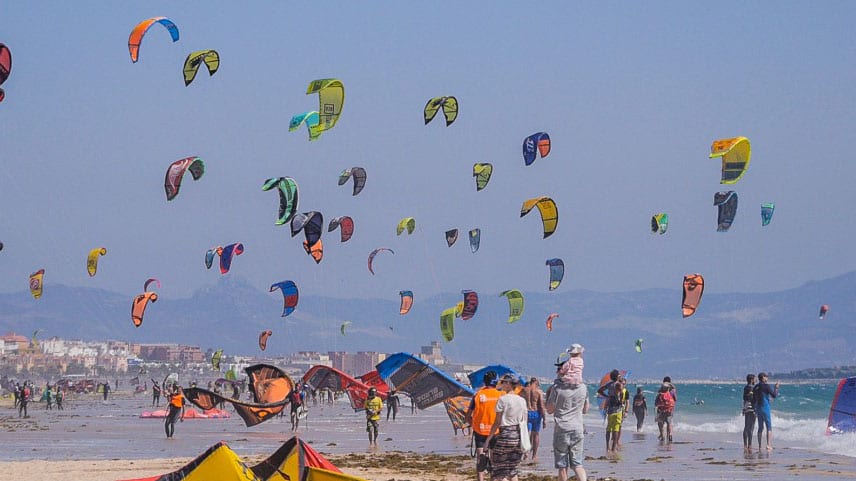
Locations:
(730, 335)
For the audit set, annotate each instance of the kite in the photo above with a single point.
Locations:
(1, 246)
(456, 409)
(269, 385)
(325, 377)
(408, 223)
(448, 104)
(659, 223)
(191, 64)
(311, 223)
(548, 210)
(459, 309)
(767, 209)
(311, 119)
(693, 289)
(226, 254)
(550, 321)
(331, 97)
(727, 203)
(447, 324)
(471, 303)
(34, 341)
(175, 172)
(345, 225)
(374, 253)
(557, 272)
(316, 250)
(538, 143)
(5, 67)
(842, 411)
(263, 338)
(36, 283)
(209, 255)
(735, 153)
(92, 260)
(477, 377)
(823, 310)
(475, 239)
(639, 344)
(287, 188)
(451, 237)
(290, 296)
(138, 307)
(137, 34)
(515, 304)
(215, 359)
(423, 383)
(149, 281)
(406, 302)
(343, 326)
(482, 173)
(359, 175)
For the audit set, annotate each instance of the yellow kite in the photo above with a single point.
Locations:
(735, 153)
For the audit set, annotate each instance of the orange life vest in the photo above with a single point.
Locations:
(176, 400)
(484, 410)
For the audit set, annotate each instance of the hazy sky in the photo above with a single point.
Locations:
(632, 95)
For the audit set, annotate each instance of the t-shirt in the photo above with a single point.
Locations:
(512, 410)
(568, 404)
(373, 408)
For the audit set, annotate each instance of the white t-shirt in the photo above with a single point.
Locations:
(511, 409)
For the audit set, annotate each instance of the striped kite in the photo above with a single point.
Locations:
(288, 196)
(140, 30)
(290, 296)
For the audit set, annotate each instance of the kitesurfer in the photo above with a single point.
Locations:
(156, 393)
(106, 390)
(176, 408)
(392, 404)
(761, 394)
(25, 398)
(640, 408)
(748, 413)
(374, 406)
(481, 416)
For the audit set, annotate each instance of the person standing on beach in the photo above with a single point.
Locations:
(748, 413)
(392, 404)
(613, 392)
(176, 408)
(640, 408)
(672, 389)
(106, 390)
(295, 401)
(665, 404)
(156, 393)
(25, 398)
(537, 415)
(49, 397)
(481, 415)
(511, 413)
(17, 394)
(567, 405)
(374, 406)
(761, 394)
(60, 395)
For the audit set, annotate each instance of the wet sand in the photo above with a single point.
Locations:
(97, 440)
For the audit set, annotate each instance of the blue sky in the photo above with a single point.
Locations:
(632, 95)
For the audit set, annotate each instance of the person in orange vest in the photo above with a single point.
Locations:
(176, 407)
(481, 416)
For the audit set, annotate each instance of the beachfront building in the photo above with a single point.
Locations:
(355, 364)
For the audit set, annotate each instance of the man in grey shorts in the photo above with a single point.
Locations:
(567, 407)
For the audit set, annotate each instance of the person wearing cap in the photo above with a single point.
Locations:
(481, 416)
(761, 394)
(537, 414)
(374, 406)
(511, 413)
(567, 405)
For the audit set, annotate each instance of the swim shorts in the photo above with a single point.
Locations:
(613, 422)
(535, 422)
(480, 440)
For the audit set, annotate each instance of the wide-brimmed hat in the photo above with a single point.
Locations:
(576, 349)
(510, 378)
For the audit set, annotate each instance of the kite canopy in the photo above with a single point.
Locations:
(447, 323)
(311, 119)
(659, 223)
(210, 58)
(175, 172)
(148, 282)
(735, 153)
(482, 173)
(471, 304)
(475, 239)
(290, 296)
(345, 225)
(5, 67)
(422, 382)
(36, 283)
(217, 462)
(209, 256)
(138, 307)
(557, 272)
(406, 302)
(693, 290)
(263, 338)
(331, 97)
(767, 209)
(548, 210)
(216, 358)
(449, 105)
(297, 461)
(456, 409)
(140, 30)
(550, 321)
(477, 377)
(374, 253)
(92, 260)
(727, 203)
(359, 175)
(343, 326)
(515, 304)
(823, 310)
(451, 237)
(639, 345)
(408, 223)
(226, 254)
(537, 143)
(324, 377)
(842, 411)
(288, 198)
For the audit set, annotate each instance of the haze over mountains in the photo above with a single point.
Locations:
(729, 336)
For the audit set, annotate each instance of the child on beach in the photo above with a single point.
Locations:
(571, 370)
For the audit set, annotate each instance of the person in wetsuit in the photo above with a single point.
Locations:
(176, 408)
(761, 394)
(748, 412)
(640, 408)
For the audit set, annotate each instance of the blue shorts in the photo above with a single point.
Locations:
(764, 417)
(535, 422)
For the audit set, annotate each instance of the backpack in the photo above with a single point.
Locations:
(665, 402)
(295, 398)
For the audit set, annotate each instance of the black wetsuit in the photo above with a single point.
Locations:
(748, 415)
(640, 407)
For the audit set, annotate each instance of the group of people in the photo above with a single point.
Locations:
(756, 407)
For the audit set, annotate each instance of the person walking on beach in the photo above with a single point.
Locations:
(17, 394)
(640, 408)
(156, 393)
(511, 413)
(748, 413)
(106, 390)
(60, 395)
(374, 406)
(176, 408)
(392, 404)
(567, 405)
(665, 404)
(25, 398)
(672, 389)
(49, 397)
(761, 394)
(536, 415)
(613, 393)
(481, 415)
(296, 402)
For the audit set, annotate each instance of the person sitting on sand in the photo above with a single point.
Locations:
(665, 404)
(640, 408)
(761, 394)
(748, 413)
(374, 406)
